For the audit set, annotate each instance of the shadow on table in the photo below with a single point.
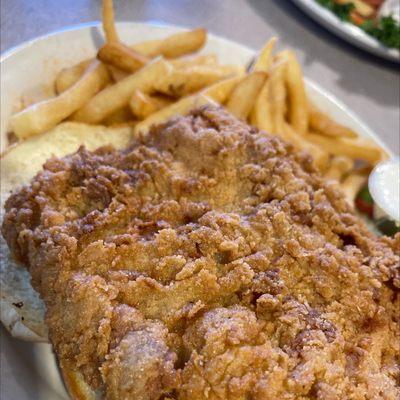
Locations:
(276, 12)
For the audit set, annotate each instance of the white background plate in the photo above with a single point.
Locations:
(35, 64)
(346, 30)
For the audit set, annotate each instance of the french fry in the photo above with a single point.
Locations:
(173, 46)
(320, 156)
(109, 21)
(122, 115)
(122, 57)
(118, 95)
(222, 90)
(149, 48)
(143, 105)
(339, 167)
(352, 185)
(42, 116)
(296, 91)
(191, 42)
(272, 96)
(217, 92)
(195, 60)
(181, 82)
(243, 96)
(360, 148)
(181, 107)
(321, 123)
(264, 60)
(116, 74)
(277, 97)
(69, 76)
(261, 115)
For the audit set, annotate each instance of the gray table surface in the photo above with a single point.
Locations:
(370, 86)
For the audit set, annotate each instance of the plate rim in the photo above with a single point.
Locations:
(347, 31)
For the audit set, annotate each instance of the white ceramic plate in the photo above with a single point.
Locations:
(34, 65)
(346, 30)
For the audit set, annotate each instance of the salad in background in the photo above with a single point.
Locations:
(373, 216)
(378, 18)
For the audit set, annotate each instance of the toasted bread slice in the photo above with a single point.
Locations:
(22, 310)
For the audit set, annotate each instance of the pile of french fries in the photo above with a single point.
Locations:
(148, 82)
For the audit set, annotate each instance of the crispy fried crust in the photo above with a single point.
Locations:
(208, 260)
(22, 310)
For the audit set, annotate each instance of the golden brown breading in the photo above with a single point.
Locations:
(209, 261)
(141, 366)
